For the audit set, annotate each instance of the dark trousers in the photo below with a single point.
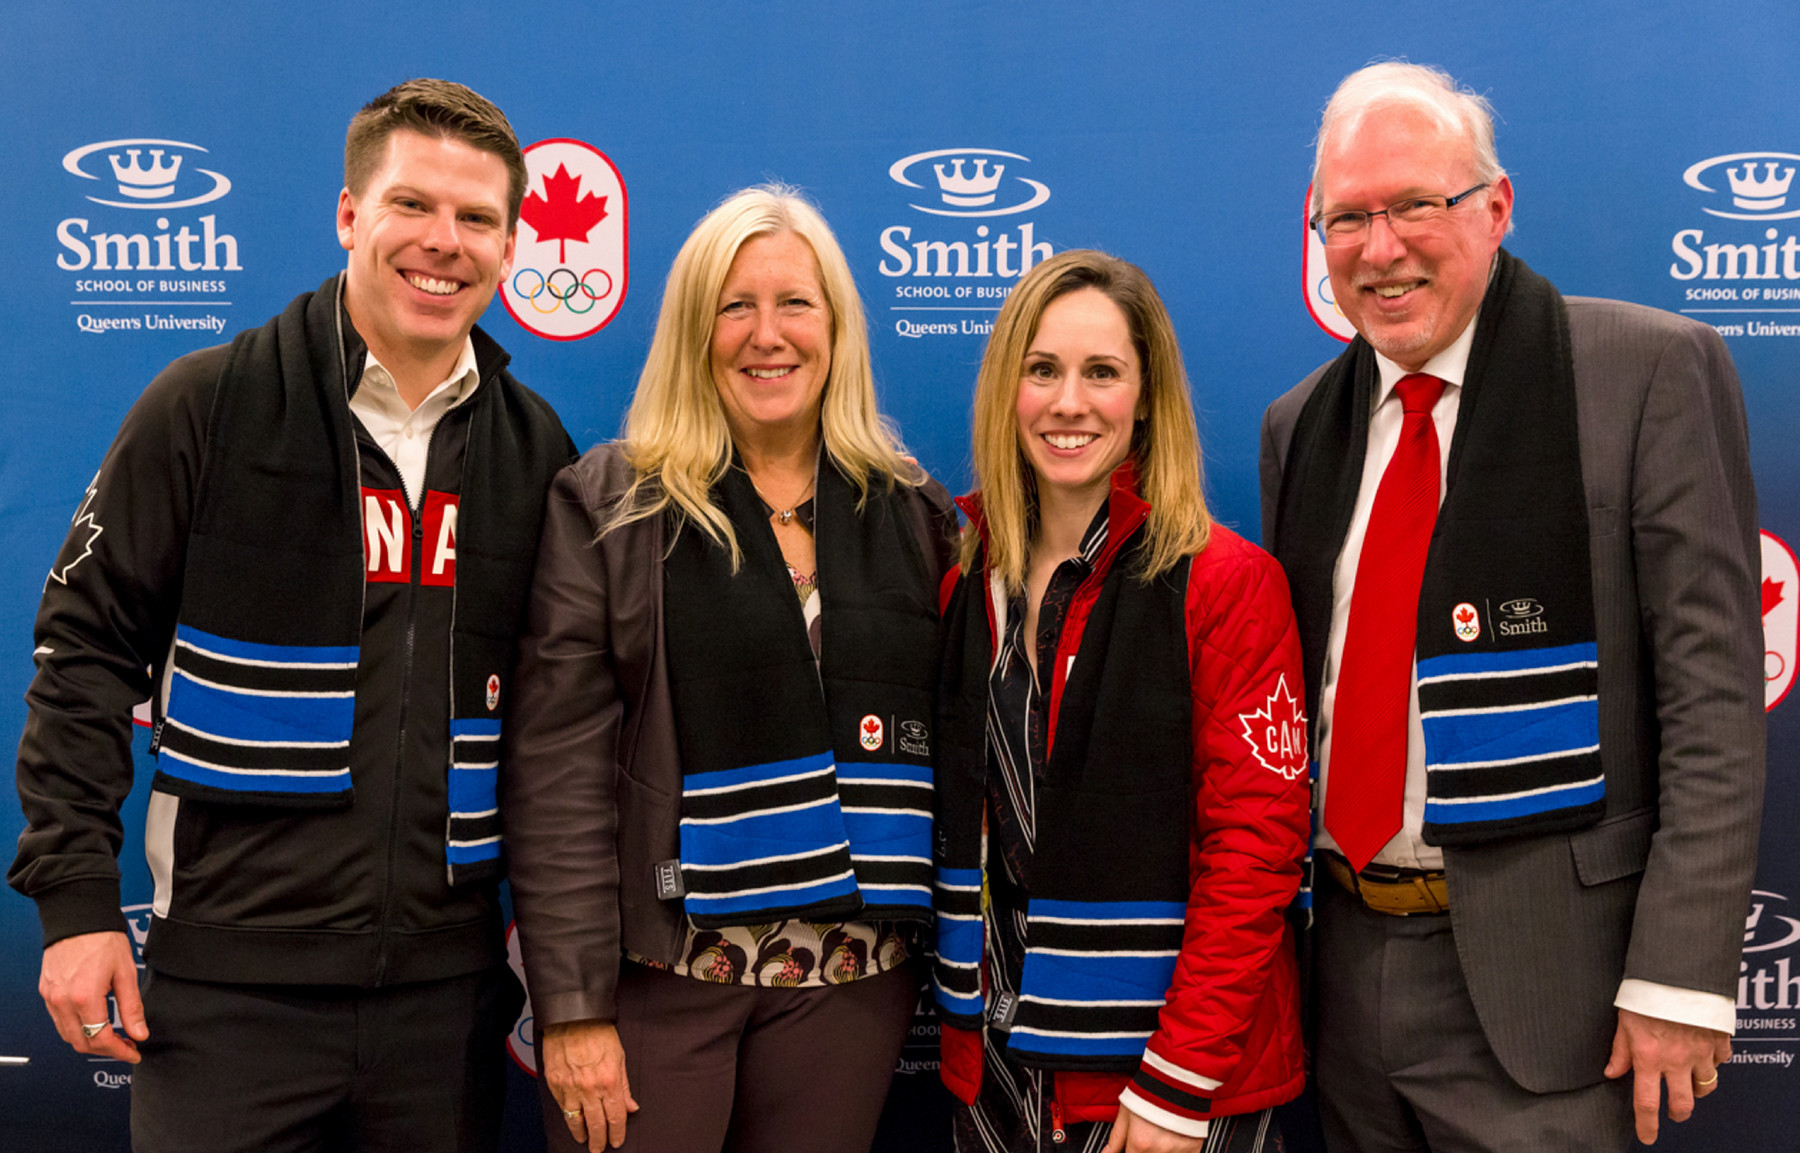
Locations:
(303, 1069)
(754, 1070)
(1402, 1064)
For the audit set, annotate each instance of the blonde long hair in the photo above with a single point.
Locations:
(676, 436)
(1165, 444)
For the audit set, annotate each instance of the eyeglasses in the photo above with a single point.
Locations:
(1406, 217)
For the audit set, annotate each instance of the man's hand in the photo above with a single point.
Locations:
(78, 973)
(1687, 1056)
(584, 1065)
(1134, 1134)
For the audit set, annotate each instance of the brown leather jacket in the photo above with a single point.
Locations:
(591, 777)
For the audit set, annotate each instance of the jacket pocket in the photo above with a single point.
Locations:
(1616, 847)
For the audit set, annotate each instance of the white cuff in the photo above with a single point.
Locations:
(1186, 1126)
(1683, 1006)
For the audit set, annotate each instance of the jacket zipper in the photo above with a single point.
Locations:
(417, 516)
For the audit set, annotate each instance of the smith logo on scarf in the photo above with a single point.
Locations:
(388, 534)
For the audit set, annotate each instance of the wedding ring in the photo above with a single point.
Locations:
(1709, 1082)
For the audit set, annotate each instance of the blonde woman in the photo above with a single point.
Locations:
(1122, 795)
(718, 778)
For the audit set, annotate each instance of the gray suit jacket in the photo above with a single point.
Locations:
(1658, 890)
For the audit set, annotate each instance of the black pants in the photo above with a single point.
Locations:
(303, 1069)
(753, 1070)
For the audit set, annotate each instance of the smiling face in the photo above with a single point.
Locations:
(1080, 394)
(428, 242)
(1410, 297)
(771, 340)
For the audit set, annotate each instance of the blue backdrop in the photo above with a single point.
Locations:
(1175, 135)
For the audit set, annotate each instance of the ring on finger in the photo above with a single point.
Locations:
(92, 1031)
(1709, 1082)
(571, 1114)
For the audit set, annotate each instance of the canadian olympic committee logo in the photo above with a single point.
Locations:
(1749, 185)
(1780, 618)
(1315, 283)
(977, 190)
(148, 174)
(570, 263)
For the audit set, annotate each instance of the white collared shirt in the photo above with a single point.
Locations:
(1408, 849)
(405, 433)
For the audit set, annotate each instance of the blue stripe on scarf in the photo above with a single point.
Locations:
(230, 716)
(1545, 731)
(472, 790)
(755, 774)
(889, 834)
(1086, 1045)
(1563, 797)
(1519, 660)
(789, 896)
(1101, 912)
(1097, 976)
(756, 836)
(170, 764)
(344, 655)
(474, 728)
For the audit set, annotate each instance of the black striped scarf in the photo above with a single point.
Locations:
(267, 642)
(1507, 664)
(806, 786)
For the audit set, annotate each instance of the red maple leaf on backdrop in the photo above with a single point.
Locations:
(871, 726)
(1464, 615)
(563, 214)
(1771, 594)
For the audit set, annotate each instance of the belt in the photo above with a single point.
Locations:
(1385, 889)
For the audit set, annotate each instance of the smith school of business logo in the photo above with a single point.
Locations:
(1742, 264)
(140, 272)
(949, 279)
(570, 262)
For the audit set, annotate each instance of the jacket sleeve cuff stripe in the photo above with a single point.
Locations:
(1175, 1123)
(1172, 1072)
(1150, 1087)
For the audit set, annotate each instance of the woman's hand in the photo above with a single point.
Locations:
(584, 1065)
(1134, 1134)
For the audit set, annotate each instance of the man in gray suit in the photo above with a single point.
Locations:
(1521, 535)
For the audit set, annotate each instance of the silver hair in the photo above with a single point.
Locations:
(1457, 110)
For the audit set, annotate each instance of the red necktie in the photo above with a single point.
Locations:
(1367, 778)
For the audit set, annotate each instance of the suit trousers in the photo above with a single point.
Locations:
(313, 1069)
(747, 1069)
(1401, 1062)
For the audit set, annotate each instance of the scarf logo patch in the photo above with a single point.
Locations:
(1521, 616)
(870, 733)
(1276, 733)
(1466, 621)
(493, 691)
(915, 738)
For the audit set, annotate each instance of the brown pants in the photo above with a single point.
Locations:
(753, 1070)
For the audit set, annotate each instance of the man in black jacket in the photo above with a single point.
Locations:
(271, 553)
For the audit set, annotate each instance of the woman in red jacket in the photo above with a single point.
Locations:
(1122, 789)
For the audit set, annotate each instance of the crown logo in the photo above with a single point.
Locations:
(1759, 195)
(973, 191)
(158, 180)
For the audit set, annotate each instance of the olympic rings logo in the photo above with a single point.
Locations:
(575, 294)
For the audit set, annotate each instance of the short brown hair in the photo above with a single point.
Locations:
(439, 108)
(1165, 443)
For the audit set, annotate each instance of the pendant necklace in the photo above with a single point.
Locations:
(784, 515)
